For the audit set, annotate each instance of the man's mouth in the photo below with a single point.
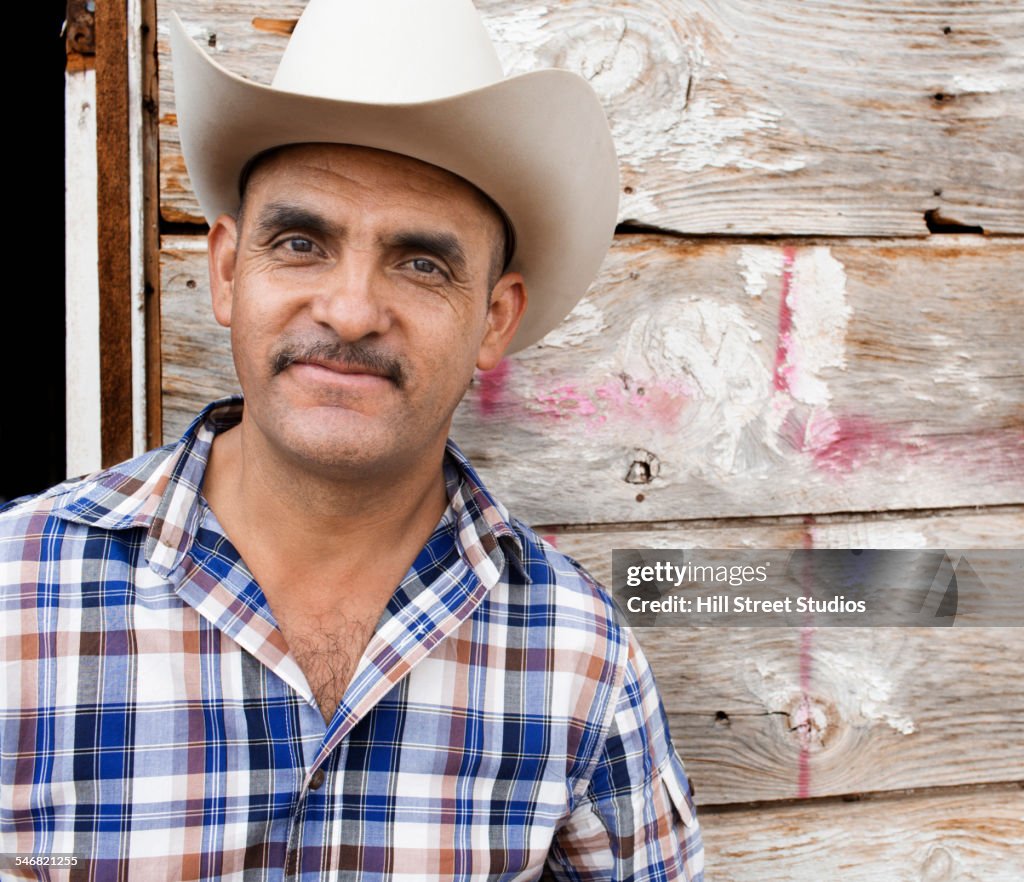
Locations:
(354, 362)
(339, 367)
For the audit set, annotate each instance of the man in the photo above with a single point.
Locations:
(305, 641)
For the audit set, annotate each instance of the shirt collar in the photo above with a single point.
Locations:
(159, 491)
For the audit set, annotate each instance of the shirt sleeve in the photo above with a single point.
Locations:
(636, 820)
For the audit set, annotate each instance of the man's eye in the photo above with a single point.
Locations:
(299, 244)
(422, 265)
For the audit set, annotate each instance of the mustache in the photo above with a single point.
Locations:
(358, 356)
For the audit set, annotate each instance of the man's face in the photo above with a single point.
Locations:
(356, 291)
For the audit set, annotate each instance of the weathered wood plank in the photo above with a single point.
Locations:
(708, 379)
(197, 361)
(81, 246)
(761, 713)
(115, 269)
(934, 837)
(743, 116)
(953, 528)
(779, 713)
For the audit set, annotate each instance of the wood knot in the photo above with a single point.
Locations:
(813, 722)
(643, 468)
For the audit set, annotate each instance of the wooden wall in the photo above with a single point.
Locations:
(808, 333)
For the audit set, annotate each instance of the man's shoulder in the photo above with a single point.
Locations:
(559, 590)
(105, 499)
(120, 496)
(580, 602)
(564, 569)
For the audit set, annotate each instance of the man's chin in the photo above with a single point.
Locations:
(338, 438)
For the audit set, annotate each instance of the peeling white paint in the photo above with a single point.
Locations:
(817, 300)
(757, 263)
(858, 683)
(978, 83)
(643, 69)
(869, 686)
(613, 62)
(709, 347)
(515, 37)
(585, 320)
(704, 138)
(775, 691)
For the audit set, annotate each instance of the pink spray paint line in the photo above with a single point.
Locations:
(566, 401)
(657, 403)
(492, 388)
(803, 768)
(783, 369)
(843, 444)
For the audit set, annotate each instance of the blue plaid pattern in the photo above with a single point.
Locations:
(502, 719)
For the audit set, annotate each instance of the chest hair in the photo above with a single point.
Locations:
(328, 650)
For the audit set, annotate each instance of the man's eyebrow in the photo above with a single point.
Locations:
(275, 216)
(440, 244)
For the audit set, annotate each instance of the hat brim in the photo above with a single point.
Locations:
(538, 144)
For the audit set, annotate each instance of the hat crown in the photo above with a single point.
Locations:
(388, 51)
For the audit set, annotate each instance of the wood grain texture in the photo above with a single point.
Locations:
(709, 379)
(760, 379)
(151, 224)
(742, 116)
(765, 714)
(114, 214)
(935, 837)
(952, 528)
(197, 361)
(786, 713)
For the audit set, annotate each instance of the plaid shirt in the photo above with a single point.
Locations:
(155, 725)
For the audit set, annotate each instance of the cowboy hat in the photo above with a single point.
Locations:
(420, 78)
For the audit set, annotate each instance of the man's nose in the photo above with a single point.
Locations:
(353, 299)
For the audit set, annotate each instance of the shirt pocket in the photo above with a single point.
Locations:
(674, 780)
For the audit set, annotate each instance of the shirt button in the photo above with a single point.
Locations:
(317, 781)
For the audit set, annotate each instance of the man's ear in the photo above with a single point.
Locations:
(222, 249)
(508, 303)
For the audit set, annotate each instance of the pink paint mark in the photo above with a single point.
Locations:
(844, 444)
(803, 768)
(657, 403)
(783, 369)
(661, 403)
(551, 539)
(566, 401)
(492, 388)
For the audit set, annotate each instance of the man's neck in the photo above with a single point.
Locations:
(300, 526)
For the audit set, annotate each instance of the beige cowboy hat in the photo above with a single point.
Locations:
(420, 78)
